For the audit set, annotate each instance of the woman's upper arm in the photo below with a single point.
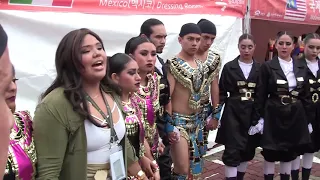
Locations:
(51, 139)
(131, 155)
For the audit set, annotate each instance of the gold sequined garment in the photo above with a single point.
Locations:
(147, 98)
(134, 126)
(189, 77)
(212, 67)
(22, 154)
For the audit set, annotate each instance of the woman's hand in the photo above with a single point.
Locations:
(156, 175)
(161, 148)
(147, 166)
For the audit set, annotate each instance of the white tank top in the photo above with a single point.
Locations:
(99, 148)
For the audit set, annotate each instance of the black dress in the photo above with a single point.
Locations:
(236, 117)
(285, 123)
(312, 107)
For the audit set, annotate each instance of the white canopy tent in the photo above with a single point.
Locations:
(34, 37)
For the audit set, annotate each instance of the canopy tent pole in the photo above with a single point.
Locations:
(247, 19)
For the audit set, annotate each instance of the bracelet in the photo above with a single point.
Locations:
(141, 150)
(140, 175)
(155, 163)
(156, 170)
(217, 109)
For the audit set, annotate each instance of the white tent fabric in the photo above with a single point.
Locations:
(34, 37)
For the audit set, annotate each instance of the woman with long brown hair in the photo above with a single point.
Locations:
(123, 71)
(79, 128)
(22, 156)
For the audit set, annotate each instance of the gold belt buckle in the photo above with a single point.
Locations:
(248, 95)
(282, 99)
(315, 97)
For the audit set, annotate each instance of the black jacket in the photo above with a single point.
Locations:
(285, 123)
(164, 100)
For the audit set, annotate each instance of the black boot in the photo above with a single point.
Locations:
(240, 175)
(295, 174)
(268, 177)
(284, 177)
(305, 174)
(231, 178)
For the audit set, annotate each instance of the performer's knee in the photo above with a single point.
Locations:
(231, 157)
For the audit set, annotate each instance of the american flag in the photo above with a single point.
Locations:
(296, 10)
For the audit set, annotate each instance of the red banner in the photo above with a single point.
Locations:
(294, 11)
(127, 7)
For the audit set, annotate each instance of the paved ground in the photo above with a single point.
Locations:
(214, 169)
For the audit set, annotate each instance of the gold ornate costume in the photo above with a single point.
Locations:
(212, 67)
(191, 78)
(22, 154)
(190, 125)
(134, 126)
(147, 98)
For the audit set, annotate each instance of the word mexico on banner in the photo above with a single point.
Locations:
(294, 11)
(224, 7)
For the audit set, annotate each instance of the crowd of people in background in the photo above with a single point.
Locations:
(136, 116)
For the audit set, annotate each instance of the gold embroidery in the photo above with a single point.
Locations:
(280, 81)
(295, 93)
(151, 91)
(212, 67)
(252, 85)
(241, 83)
(300, 79)
(191, 78)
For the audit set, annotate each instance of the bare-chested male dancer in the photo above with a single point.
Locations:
(212, 64)
(6, 117)
(186, 79)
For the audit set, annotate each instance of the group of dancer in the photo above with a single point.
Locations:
(130, 108)
(273, 105)
(151, 114)
(170, 104)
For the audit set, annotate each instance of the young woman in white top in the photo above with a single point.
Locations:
(79, 124)
(238, 78)
(123, 71)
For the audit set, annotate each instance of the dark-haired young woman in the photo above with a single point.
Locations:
(278, 104)
(22, 153)
(239, 78)
(123, 71)
(144, 53)
(312, 106)
(79, 124)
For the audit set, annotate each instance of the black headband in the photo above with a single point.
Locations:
(189, 28)
(207, 26)
(3, 41)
